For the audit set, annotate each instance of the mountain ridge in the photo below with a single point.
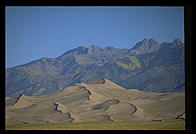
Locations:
(71, 51)
(122, 66)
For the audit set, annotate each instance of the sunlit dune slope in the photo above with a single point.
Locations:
(99, 100)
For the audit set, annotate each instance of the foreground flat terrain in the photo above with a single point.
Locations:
(131, 125)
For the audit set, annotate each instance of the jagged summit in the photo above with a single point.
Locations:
(94, 49)
(78, 50)
(176, 42)
(145, 46)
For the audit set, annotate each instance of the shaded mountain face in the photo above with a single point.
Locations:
(148, 66)
(98, 100)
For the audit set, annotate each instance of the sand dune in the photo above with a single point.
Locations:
(100, 100)
(106, 83)
(105, 105)
(94, 97)
(181, 116)
(65, 110)
(23, 101)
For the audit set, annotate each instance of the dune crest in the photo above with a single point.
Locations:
(23, 101)
(94, 97)
(106, 83)
(64, 109)
(61, 108)
(182, 116)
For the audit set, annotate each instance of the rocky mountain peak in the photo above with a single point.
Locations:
(94, 48)
(77, 51)
(145, 46)
(81, 50)
(176, 42)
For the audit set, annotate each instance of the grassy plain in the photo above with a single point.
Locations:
(117, 125)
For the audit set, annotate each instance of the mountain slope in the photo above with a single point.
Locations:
(100, 100)
(148, 66)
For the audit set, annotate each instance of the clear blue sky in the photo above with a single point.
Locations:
(36, 32)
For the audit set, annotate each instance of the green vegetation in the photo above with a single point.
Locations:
(129, 62)
(118, 125)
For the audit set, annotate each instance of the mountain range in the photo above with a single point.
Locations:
(148, 66)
